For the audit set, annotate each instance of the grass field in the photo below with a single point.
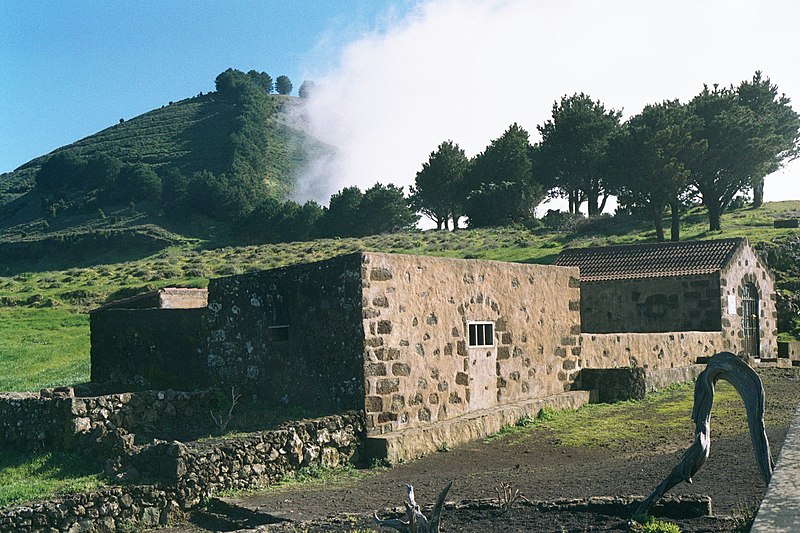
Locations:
(44, 334)
(42, 348)
(24, 478)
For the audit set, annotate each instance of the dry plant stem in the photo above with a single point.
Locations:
(221, 420)
(727, 366)
(506, 496)
(417, 522)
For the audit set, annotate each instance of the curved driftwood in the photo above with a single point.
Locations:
(727, 366)
(417, 522)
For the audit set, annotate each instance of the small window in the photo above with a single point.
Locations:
(655, 306)
(481, 334)
(278, 333)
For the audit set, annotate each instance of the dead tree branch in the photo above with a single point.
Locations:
(727, 366)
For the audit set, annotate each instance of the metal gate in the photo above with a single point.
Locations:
(750, 320)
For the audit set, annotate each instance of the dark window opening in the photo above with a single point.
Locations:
(280, 314)
(480, 334)
(278, 333)
(655, 306)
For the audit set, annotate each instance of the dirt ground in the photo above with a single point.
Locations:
(542, 469)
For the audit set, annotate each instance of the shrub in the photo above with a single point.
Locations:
(649, 524)
(560, 220)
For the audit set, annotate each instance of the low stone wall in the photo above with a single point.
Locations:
(789, 349)
(613, 384)
(415, 442)
(632, 383)
(654, 351)
(111, 509)
(41, 421)
(200, 469)
(186, 474)
(29, 421)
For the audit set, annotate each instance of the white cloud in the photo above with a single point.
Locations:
(466, 69)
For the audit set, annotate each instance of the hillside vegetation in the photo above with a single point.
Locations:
(181, 171)
(45, 331)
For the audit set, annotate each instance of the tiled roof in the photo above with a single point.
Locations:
(649, 260)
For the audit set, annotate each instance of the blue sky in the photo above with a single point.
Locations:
(395, 78)
(72, 68)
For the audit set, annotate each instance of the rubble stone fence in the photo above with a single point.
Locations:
(54, 420)
(183, 475)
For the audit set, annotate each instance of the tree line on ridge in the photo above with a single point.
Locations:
(671, 155)
(720, 144)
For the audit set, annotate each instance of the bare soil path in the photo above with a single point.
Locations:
(543, 468)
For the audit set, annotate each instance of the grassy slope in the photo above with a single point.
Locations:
(189, 135)
(185, 135)
(31, 477)
(41, 303)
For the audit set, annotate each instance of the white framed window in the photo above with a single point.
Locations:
(481, 334)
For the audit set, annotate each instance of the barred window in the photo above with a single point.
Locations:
(480, 334)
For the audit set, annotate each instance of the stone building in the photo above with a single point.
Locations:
(156, 336)
(436, 350)
(409, 339)
(709, 286)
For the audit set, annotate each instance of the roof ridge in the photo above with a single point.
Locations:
(651, 259)
(665, 244)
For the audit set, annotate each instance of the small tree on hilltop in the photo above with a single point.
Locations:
(747, 134)
(262, 79)
(232, 84)
(384, 209)
(306, 89)
(340, 218)
(779, 124)
(647, 161)
(439, 185)
(283, 85)
(572, 150)
(500, 182)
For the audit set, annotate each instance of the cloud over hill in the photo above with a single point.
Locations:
(465, 70)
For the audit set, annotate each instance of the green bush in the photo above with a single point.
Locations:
(649, 524)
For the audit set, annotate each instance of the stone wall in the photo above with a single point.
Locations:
(28, 421)
(291, 335)
(789, 349)
(651, 305)
(656, 351)
(188, 473)
(162, 346)
(632, 383)
(417, 362)
(31, 421)
(746, 267)
(200, 469)
(166, 298)
(112, 509)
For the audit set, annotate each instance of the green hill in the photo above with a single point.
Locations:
(243, 141)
